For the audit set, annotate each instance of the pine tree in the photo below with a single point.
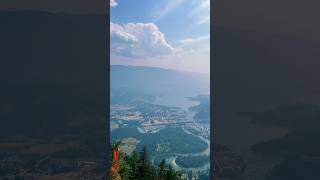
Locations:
(134, 165)
(140, 168)
(169, 173)
(162, 170)
(152, 173)
(124, 170)
(177, 175)
(144, 165)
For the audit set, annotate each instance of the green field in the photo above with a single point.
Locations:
(169, 141)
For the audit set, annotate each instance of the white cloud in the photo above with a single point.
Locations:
(201, 13)
(204, 19)
(202, 7)
(119, 35)
(113, 3)
(147, 45)
(138, 40)
(199, 39)
(197, 44)
(194, 55)
(168, 8)
(188, 61)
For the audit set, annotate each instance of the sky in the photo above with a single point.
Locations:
(163, 33)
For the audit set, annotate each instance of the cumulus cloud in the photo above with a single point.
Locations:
(138, 40)
(119, 35)
(195, 44)
(113, 3)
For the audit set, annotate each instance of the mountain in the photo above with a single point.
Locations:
(157, 80)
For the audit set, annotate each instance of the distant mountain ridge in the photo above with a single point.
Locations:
(157, 80)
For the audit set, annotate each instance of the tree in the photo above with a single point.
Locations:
(144, 165)
(169, 173)
(139, 168)
(134, 165)
(162, 170)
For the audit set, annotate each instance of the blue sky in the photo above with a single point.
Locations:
(171, 34)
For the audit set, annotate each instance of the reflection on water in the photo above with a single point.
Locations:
(176, 100)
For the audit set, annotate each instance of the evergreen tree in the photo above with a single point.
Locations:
(169, 173)
(124, 170)
(177, 175)
(144, 165)
(162, 170)
(134, 165)
(152, 173)
(140, 168)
